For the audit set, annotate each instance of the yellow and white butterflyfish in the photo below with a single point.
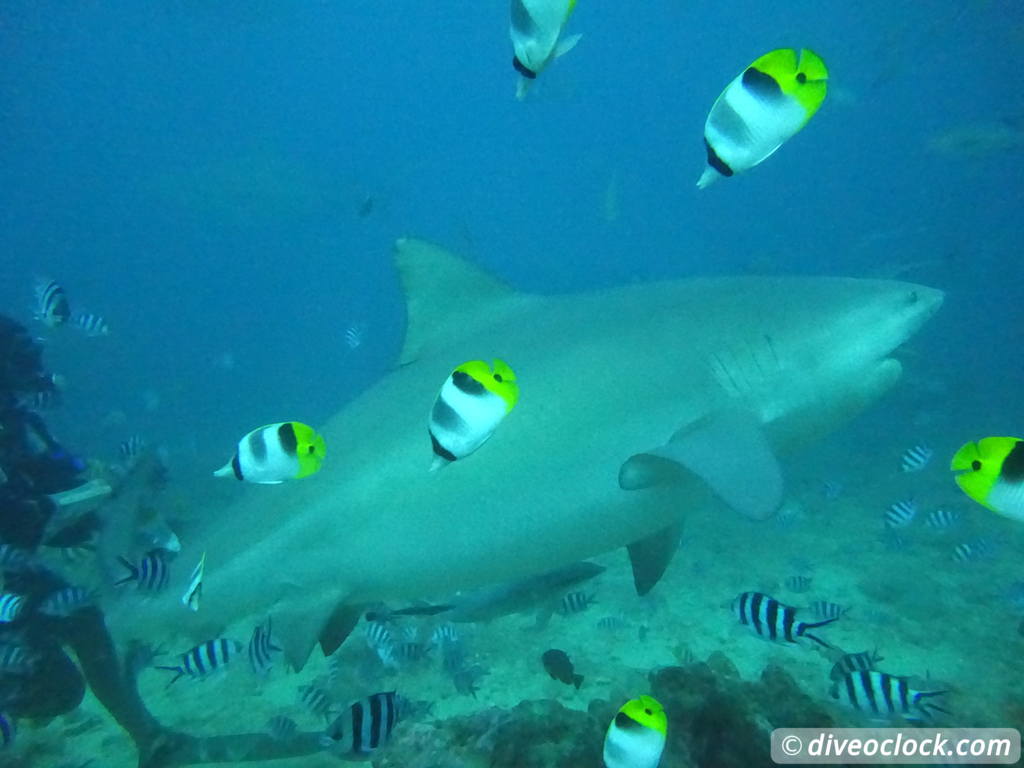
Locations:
(471, 404)
(636, 737)
(766, 105)
(536, 32)
(275, 453)
(991, 471)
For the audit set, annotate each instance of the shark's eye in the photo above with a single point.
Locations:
(912, 297)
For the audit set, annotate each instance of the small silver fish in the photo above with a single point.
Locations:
(195, 586)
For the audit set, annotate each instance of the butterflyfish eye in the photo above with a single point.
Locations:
(975, 465)
(310, 449)
(647, 712)
(801, 77)
(497, 377)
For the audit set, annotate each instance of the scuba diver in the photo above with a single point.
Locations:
(41, 489)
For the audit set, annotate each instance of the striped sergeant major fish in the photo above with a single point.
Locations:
(262, 649)
(205, 659)
(91, 325)
(67, 601)
(575, 602)
(770, 619)
(315, 699)
(10, 606)
(940, 519)
(915, 459)
(823, 609)
(885, 695)
(52, 307)
(900, 514)
(854, 662)
(363, 727)
(152, 574)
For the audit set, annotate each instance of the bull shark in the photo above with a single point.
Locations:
(637, 404)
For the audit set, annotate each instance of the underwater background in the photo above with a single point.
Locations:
(223, 183)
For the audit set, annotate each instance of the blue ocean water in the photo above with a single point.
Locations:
(224, 185)
(196, 176)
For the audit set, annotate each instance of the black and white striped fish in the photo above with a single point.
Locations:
(262, 649)
(900, 514)
(612, 623)
(363, 727)
(67, 601)
(10, 606)
(854, 662)
(445, 634)
(377, 634)
(823, 609)
(91, 325)
(915, 459)
(52, 307)
(575, 602)
(770, 619)
(974, 550)
(281, 727)
(206, 658)
(411, 650)
(800, 583)
(152, 574)
(315, 699)
(942, 519)
(885, 695)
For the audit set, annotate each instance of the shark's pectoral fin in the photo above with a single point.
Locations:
(728, 451)
(651, 555)
(339, 626)
(300, 621)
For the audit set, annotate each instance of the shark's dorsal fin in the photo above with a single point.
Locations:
(444, 294)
